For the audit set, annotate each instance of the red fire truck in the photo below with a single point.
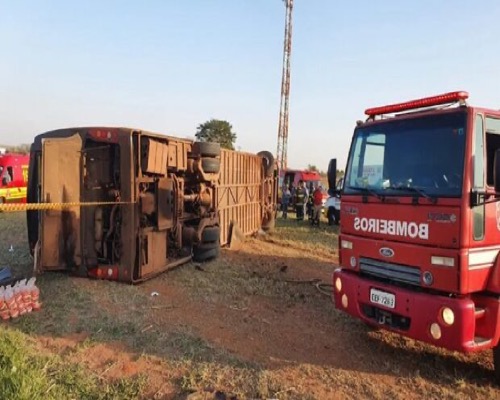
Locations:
(420, 225)
(13, 177)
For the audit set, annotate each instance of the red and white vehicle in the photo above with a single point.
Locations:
(420, 228)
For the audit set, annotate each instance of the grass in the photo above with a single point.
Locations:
(26, 374)
(174, 357)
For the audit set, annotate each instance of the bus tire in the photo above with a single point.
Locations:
(267, 162)
(210, 234)
(205, 252)
(206, 149)
(210, 165)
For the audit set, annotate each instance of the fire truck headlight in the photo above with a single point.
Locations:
(338, 284)
(435, 330)
(448, 316)
(346, 244)
(345, 301)
(427, 278)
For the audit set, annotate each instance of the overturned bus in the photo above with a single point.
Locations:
(142, 203)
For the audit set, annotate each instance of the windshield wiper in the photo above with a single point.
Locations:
(414, 189)
(367, 191)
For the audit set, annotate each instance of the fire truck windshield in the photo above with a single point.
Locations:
(420, 155)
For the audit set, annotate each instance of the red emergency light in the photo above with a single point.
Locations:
(445, 98)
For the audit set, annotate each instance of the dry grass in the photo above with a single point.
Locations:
(194, 337)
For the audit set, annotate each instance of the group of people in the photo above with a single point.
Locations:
(305, 200)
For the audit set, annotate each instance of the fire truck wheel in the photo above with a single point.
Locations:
(205, 252)
(267, 162)
(210, 165)
(496, 362)
(206, 149)
(210, 234)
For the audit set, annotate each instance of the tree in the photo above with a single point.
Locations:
(311, 167)
(217, 131)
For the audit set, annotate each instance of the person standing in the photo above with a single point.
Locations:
(317, 204)
(300, 201)
(285, 201)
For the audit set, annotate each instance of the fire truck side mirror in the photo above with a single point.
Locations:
(332, 174)
(496, 171)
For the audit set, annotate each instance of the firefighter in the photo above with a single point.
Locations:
(300, 199)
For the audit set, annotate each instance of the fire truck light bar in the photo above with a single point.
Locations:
(445, 98)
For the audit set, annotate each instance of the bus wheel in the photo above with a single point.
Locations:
(209, 247)
(267, 162)
(206, 149)
(210, 165)
(496, 362)
(206, 251)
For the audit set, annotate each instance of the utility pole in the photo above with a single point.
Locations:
(281, 153)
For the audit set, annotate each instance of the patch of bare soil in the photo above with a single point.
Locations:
(250, 324)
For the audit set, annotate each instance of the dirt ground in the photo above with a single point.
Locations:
(239, 327)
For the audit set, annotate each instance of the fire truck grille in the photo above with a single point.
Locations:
(389, 271)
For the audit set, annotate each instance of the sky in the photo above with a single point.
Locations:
(169, 65)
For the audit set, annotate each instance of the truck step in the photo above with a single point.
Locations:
(481, 341)
(479, 312)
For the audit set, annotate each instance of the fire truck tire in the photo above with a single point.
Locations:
(210, 165)
(267, 162)
(206, 149)
(496, 362)
(210, 234)
(205, 252)
(333, 216)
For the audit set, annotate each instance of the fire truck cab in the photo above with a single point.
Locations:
(13, 177)
(420, 226)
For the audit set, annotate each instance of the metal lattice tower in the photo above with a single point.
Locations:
(281, 153)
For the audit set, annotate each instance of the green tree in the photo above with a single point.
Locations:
(217, 131)
(311, 167)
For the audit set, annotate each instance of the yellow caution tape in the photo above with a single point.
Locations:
(19, 207)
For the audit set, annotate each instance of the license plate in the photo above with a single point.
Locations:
(382, 298)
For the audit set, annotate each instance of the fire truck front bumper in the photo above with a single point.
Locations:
(439, 320)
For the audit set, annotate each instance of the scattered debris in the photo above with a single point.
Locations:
(283, 268)
(154, 294)
(11, 249)
(261, 232)
(164, 307)
(236, 236)
(5, 274)
(199, 267)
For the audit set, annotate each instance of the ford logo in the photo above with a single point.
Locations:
(386, 252)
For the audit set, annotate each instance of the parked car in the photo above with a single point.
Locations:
(332, 204)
